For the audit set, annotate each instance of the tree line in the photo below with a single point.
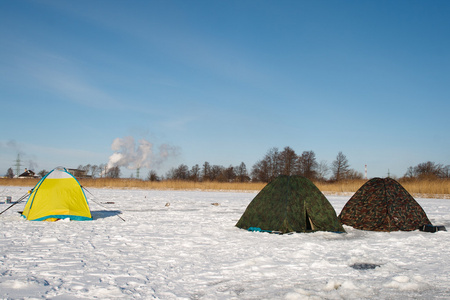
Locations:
(273, 164)
(288, 162)
(428, 170)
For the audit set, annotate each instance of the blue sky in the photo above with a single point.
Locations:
(225, 81)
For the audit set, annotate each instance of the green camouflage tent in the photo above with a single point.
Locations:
(382, 204)
(290, 204)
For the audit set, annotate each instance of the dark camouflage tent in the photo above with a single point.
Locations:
(290, 204)
(382, 204)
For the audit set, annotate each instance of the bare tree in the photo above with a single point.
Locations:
(307, 165)
(288, 160)
(170, 174)
(409, 173)
(428, 170)
(10, 173)
(194, 174)
(152, 176)
(94, 170)
(206, 170)
(217, 173)
(267, 168)
(241, 173)
(229, 173)
(446, 171)
(113, 172)
(182, 172)
(353, 174)
(43, 173)
(340, 167)
(260, 171)
(272, 164)
(86, 168)
(322, 170)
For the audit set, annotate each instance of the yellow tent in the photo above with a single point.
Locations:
(57, 196)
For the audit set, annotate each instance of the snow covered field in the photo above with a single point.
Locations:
(192, 250)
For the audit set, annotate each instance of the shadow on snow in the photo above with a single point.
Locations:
(102, 214)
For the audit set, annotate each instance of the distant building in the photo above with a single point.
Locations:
(28, 174)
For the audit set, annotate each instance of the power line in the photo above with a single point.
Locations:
(18, 164)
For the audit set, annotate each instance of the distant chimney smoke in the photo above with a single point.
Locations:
(128, 154)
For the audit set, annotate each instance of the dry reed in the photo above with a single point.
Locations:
(172, 185)
(31, 182)
(340, 187)
(439, 188)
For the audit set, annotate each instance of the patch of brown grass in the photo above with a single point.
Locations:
(31, 182)
(339, 187)
(171, 184)
(438, 188)
(433, 188)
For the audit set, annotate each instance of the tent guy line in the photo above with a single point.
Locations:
(93, 200)
(18, 201)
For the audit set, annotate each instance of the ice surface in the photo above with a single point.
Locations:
(192, 250)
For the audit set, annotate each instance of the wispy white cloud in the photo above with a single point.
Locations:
(69, 80)
(174, 37)
(61, 76)
(180, 123)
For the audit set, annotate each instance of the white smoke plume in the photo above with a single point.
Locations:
(128, 154)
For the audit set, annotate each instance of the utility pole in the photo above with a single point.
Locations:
(18, 164)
